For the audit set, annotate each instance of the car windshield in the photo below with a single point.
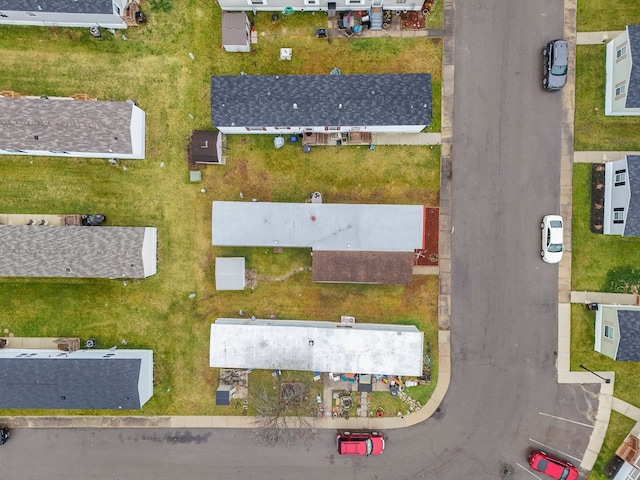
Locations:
(555, 247)
(559, 70)
(555, 224)
(369, 444)
(565, 473)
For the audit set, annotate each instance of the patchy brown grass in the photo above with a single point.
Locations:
(153, 67)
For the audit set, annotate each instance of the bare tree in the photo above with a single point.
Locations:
(283, 412)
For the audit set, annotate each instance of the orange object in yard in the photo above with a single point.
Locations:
(398, 382)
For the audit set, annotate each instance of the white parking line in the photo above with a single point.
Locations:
(529, 471)
(566, 419)
(554, 450)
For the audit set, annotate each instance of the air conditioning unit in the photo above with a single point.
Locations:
(347, 320)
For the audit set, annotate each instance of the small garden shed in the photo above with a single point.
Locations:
(236, 32)
(230, 273)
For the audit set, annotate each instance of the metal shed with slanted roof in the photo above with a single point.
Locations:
(236, 32)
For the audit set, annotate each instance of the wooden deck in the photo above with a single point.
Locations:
(40, 220)
(338, 138)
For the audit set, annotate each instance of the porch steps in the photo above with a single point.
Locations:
(376, 18)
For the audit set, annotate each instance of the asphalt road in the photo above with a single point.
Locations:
(504, 399)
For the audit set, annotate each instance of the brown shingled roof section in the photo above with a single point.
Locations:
(363, 267)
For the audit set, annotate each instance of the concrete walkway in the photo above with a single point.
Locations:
(599, 157)
(406, 138)
(177, 421)
(595, 38)
(443, 269)
(606, 400)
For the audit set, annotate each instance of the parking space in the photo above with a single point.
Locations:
(564, 432)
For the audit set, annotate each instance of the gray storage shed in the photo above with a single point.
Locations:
(230, 273)
(236, 32)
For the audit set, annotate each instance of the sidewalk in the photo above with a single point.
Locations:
(565, 295)
(353, 423)
(406, 138)
(443, 138)
(594, 38)
(599, 156)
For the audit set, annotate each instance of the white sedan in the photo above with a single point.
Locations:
(552, 238)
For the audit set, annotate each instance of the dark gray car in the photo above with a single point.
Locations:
(4, 434)
(556, 64)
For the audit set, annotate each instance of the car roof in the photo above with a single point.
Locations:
(550, 465)
(561, 52)
(354, 446)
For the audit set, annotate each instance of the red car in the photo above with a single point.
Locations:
(553, 467)
(362, 443)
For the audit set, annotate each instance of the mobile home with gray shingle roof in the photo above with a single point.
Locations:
(63, 127)
(622, 91)
(280, 104)
(77, 252)
(622, 197)
(64, 13)
(617, 332)
(79, 380)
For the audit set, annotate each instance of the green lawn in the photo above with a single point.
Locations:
(593, 130)
(582, 353)
(597, 258)
(153, 67)
(598, 15)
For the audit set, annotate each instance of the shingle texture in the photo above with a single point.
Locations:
(632, 220)
(65, 125)
(69, 383)
(74, 252)
(633, 92)
(629, 346)
(58, 6)
(321, 100)
(363, 267)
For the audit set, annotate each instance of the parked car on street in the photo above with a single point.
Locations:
(553, 467)
(556, 64)
(4, 434)
(552, 238)
(361, 443)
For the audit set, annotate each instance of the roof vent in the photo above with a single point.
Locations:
(339, 105)
(295, 106)
(35, 137)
